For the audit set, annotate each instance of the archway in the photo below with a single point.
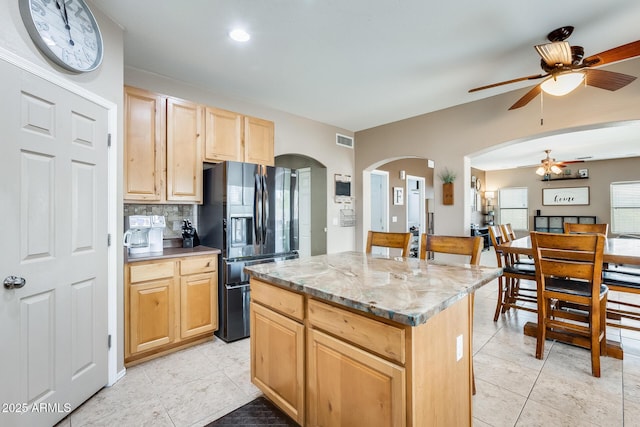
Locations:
(313, 208)
(397, 169)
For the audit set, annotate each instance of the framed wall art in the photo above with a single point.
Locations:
(567, 196)
(398, 197)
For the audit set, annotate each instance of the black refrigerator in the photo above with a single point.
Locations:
(250, 212)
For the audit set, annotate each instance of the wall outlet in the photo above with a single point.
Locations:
(394, 219)
(459, 348)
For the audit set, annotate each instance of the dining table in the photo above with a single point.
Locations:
(617, 251)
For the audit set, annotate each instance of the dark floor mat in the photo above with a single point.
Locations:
(258, 412)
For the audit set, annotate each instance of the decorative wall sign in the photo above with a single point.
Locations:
(572, 196)
(398, 197)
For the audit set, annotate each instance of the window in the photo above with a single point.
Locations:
(513, 205)
(625, 207)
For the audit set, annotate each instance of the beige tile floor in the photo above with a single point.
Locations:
(200, 384)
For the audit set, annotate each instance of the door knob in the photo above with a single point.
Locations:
(12, 282)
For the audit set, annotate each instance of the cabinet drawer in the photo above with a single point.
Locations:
(381, 338)
(280, 300)
(150, 271)
(198, 265)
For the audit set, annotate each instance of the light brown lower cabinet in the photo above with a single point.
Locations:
(342, 377)
(169, 304)
(328, 365)
(277, 365)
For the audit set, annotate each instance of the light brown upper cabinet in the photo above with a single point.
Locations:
(184, 151)
(162, 149)
(144, 137)
(232, 136)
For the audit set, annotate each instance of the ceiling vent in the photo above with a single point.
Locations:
(344, 141)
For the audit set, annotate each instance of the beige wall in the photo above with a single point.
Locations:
(450, 136)
(601, 174)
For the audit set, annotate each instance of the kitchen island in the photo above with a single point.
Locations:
(357, 339)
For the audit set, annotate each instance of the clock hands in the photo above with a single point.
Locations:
(65, 19)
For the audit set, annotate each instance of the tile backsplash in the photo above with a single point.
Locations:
(173, 215)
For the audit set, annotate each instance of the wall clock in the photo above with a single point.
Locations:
(65, 31)
(478, 184)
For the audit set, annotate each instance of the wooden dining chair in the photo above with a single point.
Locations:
(573, 228)
(571, 296)
(389, 240)
(511, 294)
(456, 245)
(508, 234)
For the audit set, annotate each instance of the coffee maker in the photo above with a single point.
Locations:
(136, 238)
(156, 233)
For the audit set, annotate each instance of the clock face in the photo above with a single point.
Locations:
(64, 30)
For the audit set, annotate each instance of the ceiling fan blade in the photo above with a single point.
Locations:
(608, 80)
(626, 51)
(527, 97)
(555, 53)
(506, 82)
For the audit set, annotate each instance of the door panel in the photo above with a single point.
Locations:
(52, 185)
(36, 192)
(37, 369)
(379, 207)
(304, 211)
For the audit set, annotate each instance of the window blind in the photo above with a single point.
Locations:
(513, 204)
(625, 207)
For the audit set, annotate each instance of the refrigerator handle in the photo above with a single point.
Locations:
(257, 209)
(265, 209)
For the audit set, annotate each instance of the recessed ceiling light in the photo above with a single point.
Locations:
(239, 35)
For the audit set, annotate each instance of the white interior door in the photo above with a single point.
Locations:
(304, 211)
(416, 210)
(379, 205)
(53, 193)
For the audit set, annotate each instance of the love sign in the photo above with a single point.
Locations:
(565, 196)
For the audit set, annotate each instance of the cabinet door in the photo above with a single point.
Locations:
(223, 136)
(277, 359)
(184, 151)
(258, 141)
(198, 304)
(144, 141)
(349, 386)
(151, 314)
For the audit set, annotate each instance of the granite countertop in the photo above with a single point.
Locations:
(170, 253)
(406, 290)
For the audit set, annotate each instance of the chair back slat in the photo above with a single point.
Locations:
(456, 245)
(389, 240)
(572, 228)
(566, 268)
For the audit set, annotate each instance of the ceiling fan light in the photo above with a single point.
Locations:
(555, 53)
(540, 171)
(555, 169)
(562, 84)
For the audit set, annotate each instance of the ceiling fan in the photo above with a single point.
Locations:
(565, 68)
(549, 165)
